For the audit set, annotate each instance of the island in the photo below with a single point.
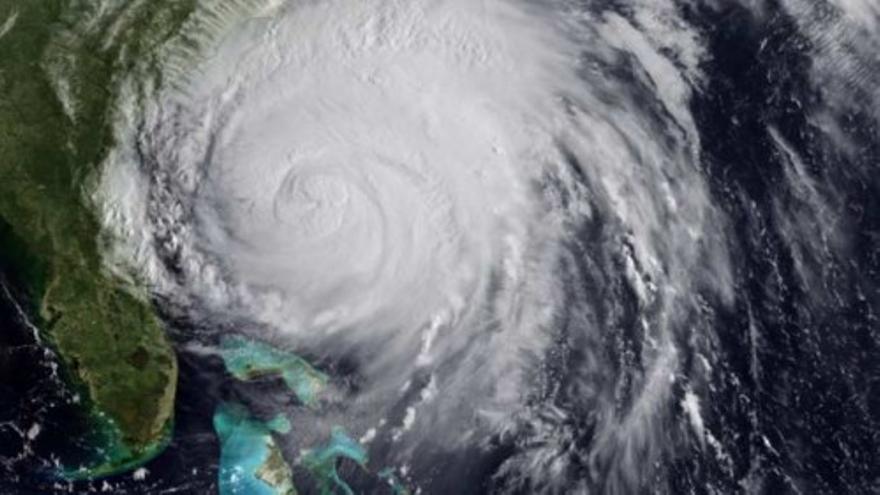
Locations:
(250, 461)
(246, 359)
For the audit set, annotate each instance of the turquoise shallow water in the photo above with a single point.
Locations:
(322, 461)
(246, 444)
(247, 359)
(397, 488)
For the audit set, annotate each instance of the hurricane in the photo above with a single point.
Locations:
(534, 246)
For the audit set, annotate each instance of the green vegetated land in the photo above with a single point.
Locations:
(58, 63)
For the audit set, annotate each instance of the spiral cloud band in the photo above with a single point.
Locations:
(440, 192)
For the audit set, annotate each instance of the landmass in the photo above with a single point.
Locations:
(247, 359)
(58, 61)
(250, 460)
(322, 461)
(245, 457)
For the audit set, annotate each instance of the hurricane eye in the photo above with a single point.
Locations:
(312, 206)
